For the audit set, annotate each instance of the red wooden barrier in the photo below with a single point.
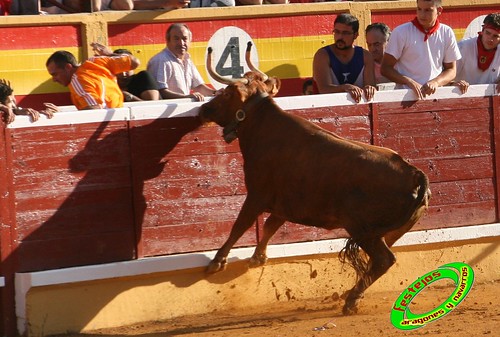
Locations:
(95, 192)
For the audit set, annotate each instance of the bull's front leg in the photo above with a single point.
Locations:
(247, 216)
(272, 224)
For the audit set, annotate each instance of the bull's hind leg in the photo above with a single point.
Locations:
(248, 214)
(380, 260)
(270, 227)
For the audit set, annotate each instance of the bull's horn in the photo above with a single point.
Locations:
(250, 64)
(216, 76)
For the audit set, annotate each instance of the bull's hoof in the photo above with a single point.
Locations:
(215, 266)
(350, 309)
(257, 260)
(351, 303)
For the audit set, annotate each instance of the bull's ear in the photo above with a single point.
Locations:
(276, 86)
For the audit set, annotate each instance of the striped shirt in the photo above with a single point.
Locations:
(94, 82)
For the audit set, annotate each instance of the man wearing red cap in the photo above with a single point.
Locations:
(421, 55)
(480, 63)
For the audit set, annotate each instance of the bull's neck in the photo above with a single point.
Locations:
(230, 131)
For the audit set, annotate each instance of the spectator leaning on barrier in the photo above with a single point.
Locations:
(421, 55)
(78, 6)
(377, 36)
(343, 67)
(92, 84)
(137, 87)
(174, 70)
(260, 2)
(8, 105)
(480, 62)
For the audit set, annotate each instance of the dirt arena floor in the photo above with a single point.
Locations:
(477, 315)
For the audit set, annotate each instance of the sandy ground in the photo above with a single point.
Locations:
(477, 315)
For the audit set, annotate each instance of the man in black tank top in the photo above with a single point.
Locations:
(343, 67)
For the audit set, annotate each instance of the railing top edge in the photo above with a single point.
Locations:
(187, 108)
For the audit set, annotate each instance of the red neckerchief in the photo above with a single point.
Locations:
(484, 57)
(427, 33)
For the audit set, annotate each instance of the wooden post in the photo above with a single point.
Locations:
(495, 110)
(7, 237)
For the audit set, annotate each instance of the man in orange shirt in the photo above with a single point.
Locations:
(93, 83)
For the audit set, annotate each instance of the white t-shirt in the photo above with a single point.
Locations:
(467, 68)
(176, 75)
(419, 60)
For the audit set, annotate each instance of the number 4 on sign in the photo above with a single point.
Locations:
(228, 44)
(231, 51)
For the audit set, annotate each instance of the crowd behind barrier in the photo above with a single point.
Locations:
(35, 7)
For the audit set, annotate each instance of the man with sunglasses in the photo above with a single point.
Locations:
(343, 67)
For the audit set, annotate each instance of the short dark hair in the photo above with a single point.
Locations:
(5, 91)
(348, 19)
(382, 27)
(123, 51)
(306, 83)
(61, 58)
(492, 19)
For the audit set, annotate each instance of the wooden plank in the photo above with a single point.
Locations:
(437, 134)
(76, 185)
(169, 212)
(72, 251)
(495, 103)
(192, 238)
(456, 215)
(455, 169)
(433, 105)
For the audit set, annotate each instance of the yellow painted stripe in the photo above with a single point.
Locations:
(286, 57)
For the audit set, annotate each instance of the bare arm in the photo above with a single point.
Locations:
(446, 76)
(388, 70)
(368, 75)
(103, 50)
(160, 4)
(198, 94)
(322, 74)
(8, 115)
(323, 79)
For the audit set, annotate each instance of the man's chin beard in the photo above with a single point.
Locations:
(345, 47)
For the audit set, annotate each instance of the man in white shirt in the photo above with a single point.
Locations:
(480, 62)
(421, 55)
(174, 70)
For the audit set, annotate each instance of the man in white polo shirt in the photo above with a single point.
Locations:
(421, 55)
(174, 70)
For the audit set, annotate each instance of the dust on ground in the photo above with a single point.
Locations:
(477, 315)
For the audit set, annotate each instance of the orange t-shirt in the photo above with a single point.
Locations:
(94, 82)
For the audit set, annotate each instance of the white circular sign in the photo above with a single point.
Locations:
(474, 27)
(229, 45)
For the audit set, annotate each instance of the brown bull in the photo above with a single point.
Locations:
(299, 172)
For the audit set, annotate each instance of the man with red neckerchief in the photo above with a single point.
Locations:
(421, 55)
(480, 63)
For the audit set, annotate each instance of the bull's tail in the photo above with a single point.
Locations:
(421, 202)
(415, 210)
(351, 254)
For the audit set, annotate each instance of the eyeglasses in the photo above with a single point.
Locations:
(343, 33)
